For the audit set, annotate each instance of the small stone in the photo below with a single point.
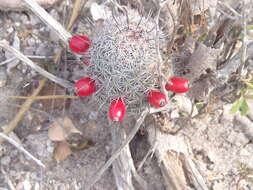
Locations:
(34, 73)
(10, 30)
(244, 152)
(218, 186)
(35, 20)
(3, 77)
(29, 50)
(5, 160)
(227, 117)
(17, 24)
(93, 115)
(12, 173)
(44, 49)
(31, 42)
(50, 146)
(174, 114)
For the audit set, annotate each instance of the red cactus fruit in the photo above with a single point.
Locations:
(79, 44)
(117, 110)
(156, 98)
(177, 85)
(85, 86)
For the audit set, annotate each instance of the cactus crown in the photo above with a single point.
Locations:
(123, 58)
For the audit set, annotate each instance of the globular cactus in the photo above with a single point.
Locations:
(123, 58)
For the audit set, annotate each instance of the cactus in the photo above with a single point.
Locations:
(123, 58)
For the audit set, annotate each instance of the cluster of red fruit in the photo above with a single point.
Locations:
(87, 86)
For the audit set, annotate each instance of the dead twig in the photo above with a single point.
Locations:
(62, 33)
(160, 59)
(149, 154)
(230, 8)
(122, 165)
(75, 13)
(241, 68)
(64, 83)
(44, 97)
(178, 170)
(13, 124)
(19, 147)
(115, 155)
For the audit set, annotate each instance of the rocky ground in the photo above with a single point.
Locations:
(219, 143)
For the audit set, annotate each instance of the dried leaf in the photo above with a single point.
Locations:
(61, 129)
(58, 104)
(62, 151)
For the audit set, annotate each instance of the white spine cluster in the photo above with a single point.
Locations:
(123, 58)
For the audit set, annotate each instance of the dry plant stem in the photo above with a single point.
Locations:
(156, 110)
(115, 155)
(64, 83)
(13, 124)
(123, 166)
(178, 170)
(75, 13)
(230, 8)
(44, 97)
(19, 147)
(244, 41)
(170, 45)
(63, 34)
(29, 56)
(160, 62)
(149, 154)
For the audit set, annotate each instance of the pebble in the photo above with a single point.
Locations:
(10, 30)
(1, 150)
(5, 160)
(93, 115)
(29, 50)
(44, 49)
(31, 42)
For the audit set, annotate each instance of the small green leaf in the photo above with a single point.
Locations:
(202, 37)
(250, 27)
(250, 89)
(199, 105)
(241, 36)
(249, 84)
(244, 108)
(249, 97)
(236, 105)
